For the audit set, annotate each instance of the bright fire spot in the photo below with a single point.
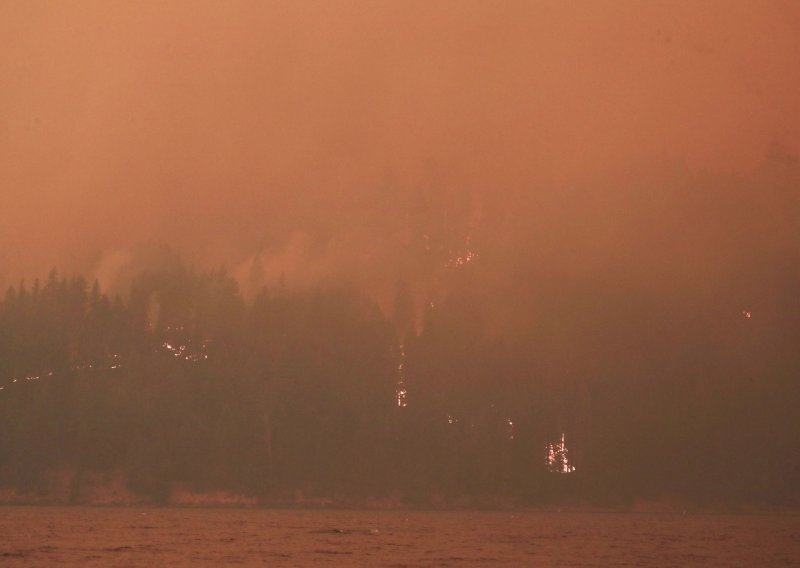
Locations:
(193, 353)
(461, 260)
(556, 457)
(402, 396)
(509, 429)
(184, 352)
(401, 392)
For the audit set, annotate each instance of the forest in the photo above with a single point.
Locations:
(658, 348)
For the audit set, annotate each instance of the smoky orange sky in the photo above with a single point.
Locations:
(222, 128)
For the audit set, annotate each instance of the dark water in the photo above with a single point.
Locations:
(45, 536)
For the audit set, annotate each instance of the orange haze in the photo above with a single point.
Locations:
(224, 128)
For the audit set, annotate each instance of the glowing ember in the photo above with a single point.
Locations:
(461, 260)
(509, 429)
(187, 351)
(556, 457)
(401, 392)
(402, 396)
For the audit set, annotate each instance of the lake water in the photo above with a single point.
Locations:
(45, 536)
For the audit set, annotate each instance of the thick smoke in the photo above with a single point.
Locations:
(308, 131)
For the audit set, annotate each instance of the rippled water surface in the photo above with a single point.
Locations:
(44, 536)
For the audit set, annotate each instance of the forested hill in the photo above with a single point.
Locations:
(317, 395)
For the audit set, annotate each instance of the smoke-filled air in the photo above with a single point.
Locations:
(400, 254)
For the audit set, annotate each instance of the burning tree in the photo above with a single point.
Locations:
(557, 457)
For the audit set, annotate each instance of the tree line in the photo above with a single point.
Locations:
(296, 394)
